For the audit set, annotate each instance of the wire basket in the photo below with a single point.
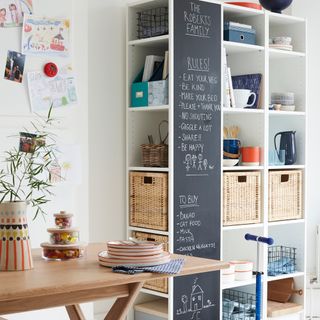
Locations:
(281, 260)
(152, 22)
(238, 305)
(156, 155)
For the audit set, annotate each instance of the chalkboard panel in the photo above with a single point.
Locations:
(197, 152)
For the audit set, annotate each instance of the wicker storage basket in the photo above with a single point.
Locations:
(241, 198)
(160, 285)
(285, 195)
(156, 155)
(149, 200)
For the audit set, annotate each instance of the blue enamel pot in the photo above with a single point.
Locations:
(275, 5)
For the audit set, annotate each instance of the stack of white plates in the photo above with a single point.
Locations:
(282, 43)
(287, 47)
(130, 253)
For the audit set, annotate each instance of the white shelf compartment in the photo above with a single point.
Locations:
(139, 6)
(281, 124)
(150, 42)
(243, 227)
(159, 232)
(242, 111)
(290, 235)
(249, 135)
(252, 17)
(137, 56)
(149, 109)
(243, 168)
(289, 26)
(274, 113)
(142, 124)
(235, 47)
(250, 62)
(155, 293)
(285, 222)
(286, 276)
(149, 169)
(236, 247)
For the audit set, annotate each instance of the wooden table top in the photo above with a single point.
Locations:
(54, 277)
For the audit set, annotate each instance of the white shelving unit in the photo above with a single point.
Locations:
(279, 70)
(282, 72)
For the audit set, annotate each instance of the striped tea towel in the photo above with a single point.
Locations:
(172, 267)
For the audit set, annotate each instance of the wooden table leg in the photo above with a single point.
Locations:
(121, 307)
(75, 312)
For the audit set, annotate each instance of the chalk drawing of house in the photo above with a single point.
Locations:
(196, 301)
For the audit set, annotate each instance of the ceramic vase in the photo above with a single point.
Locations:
(15, 248)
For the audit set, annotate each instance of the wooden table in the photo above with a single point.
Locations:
(53, 284)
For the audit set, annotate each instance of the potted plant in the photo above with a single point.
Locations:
(24, 181)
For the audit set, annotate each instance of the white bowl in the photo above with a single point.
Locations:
(230, 162)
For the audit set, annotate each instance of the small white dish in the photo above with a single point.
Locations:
(230, 162)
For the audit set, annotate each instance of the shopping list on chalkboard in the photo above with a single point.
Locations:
(197, 152)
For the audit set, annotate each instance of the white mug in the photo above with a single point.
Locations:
(241, 97)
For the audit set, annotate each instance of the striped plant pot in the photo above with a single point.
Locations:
(15, 249)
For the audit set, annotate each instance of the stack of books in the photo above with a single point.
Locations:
(134, 254)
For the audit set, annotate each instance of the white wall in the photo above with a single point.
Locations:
(15, 112)
(107, 122)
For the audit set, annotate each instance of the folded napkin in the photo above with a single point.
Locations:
(172, 267)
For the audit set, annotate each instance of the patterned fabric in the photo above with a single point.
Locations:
(172, 267)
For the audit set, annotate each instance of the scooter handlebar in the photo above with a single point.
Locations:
(251, 237)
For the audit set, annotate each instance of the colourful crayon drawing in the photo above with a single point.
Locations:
(43, 36)
(44, 92)
(12, 11)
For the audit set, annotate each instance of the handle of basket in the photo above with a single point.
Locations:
(252, 237)
(162, 141)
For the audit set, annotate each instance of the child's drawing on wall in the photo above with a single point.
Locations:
(44, 36)
(12, 11)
